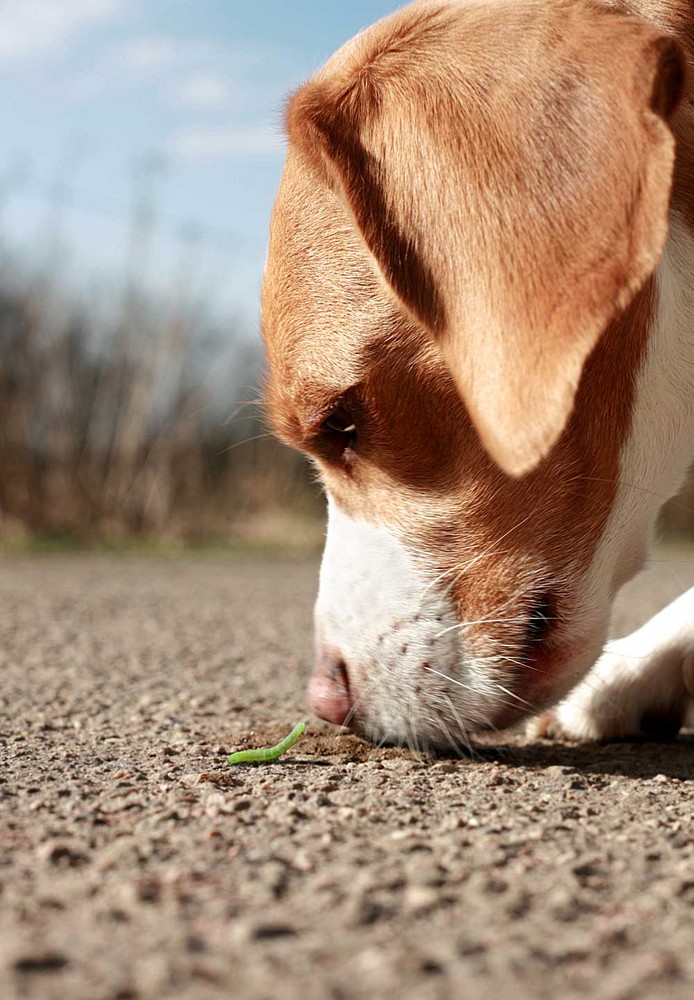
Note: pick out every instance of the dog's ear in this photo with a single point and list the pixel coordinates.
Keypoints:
(514, 205)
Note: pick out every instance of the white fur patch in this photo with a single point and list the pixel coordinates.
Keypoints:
(660, 446)
(644, 669)
(397, 633)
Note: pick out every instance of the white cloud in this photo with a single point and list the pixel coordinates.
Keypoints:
(158, 54)
(147, 55)
(31, 28)
(202, 143)
(197, 74)
(202, 92)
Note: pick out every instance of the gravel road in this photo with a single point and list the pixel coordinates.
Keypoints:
(134, 865)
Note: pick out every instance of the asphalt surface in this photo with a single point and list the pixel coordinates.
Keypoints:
(135, 865)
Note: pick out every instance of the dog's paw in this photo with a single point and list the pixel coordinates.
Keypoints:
(628, 693)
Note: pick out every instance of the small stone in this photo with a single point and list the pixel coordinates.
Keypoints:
(496, 885)
(273, 929)
(63, 854)
(420, 898)
(46, 960)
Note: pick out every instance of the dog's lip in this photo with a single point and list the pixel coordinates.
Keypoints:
(542, 682)
(533, 689)
(543, 620)
(505, 718)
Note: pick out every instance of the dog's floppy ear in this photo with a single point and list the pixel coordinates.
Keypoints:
(513, 204)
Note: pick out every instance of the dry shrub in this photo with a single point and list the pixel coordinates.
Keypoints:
(119, 427)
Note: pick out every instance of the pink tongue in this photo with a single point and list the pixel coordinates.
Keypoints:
(328, 699)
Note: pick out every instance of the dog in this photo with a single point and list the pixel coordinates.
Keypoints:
(478, 311)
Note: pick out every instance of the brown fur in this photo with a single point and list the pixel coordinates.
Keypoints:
(511, 221)
(446, 267)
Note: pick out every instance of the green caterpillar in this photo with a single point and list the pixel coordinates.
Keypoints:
(264, 754)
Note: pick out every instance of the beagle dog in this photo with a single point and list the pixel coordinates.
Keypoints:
(478, 310)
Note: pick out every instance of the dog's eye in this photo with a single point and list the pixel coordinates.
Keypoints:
(341, 422)
(340, 430)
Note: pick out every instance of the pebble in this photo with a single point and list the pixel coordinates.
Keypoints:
(419, 898)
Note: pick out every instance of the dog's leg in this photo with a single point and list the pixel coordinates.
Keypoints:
(640, 686)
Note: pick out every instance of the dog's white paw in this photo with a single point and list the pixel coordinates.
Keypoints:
(630, 692)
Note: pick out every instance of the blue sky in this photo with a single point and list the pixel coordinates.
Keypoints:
(101, 97)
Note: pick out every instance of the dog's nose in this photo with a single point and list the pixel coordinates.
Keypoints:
(328, 690)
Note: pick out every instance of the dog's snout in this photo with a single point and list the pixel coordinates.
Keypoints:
(329, 690)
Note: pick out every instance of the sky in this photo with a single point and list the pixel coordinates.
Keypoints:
(175, 105)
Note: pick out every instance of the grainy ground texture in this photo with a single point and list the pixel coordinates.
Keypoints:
(135, 865)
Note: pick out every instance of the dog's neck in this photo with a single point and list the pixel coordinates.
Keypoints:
(666, 434)
(660, 448)
(683, 187)
(668, 376)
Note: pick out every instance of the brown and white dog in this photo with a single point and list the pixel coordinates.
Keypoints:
(479, 315)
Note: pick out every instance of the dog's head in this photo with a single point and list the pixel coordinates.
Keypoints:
(456, 306)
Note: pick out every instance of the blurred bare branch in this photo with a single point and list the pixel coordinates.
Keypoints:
(110, 428)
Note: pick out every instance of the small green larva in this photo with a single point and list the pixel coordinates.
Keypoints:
(265, 754)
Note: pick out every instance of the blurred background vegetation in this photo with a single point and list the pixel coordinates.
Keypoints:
(134, 416)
